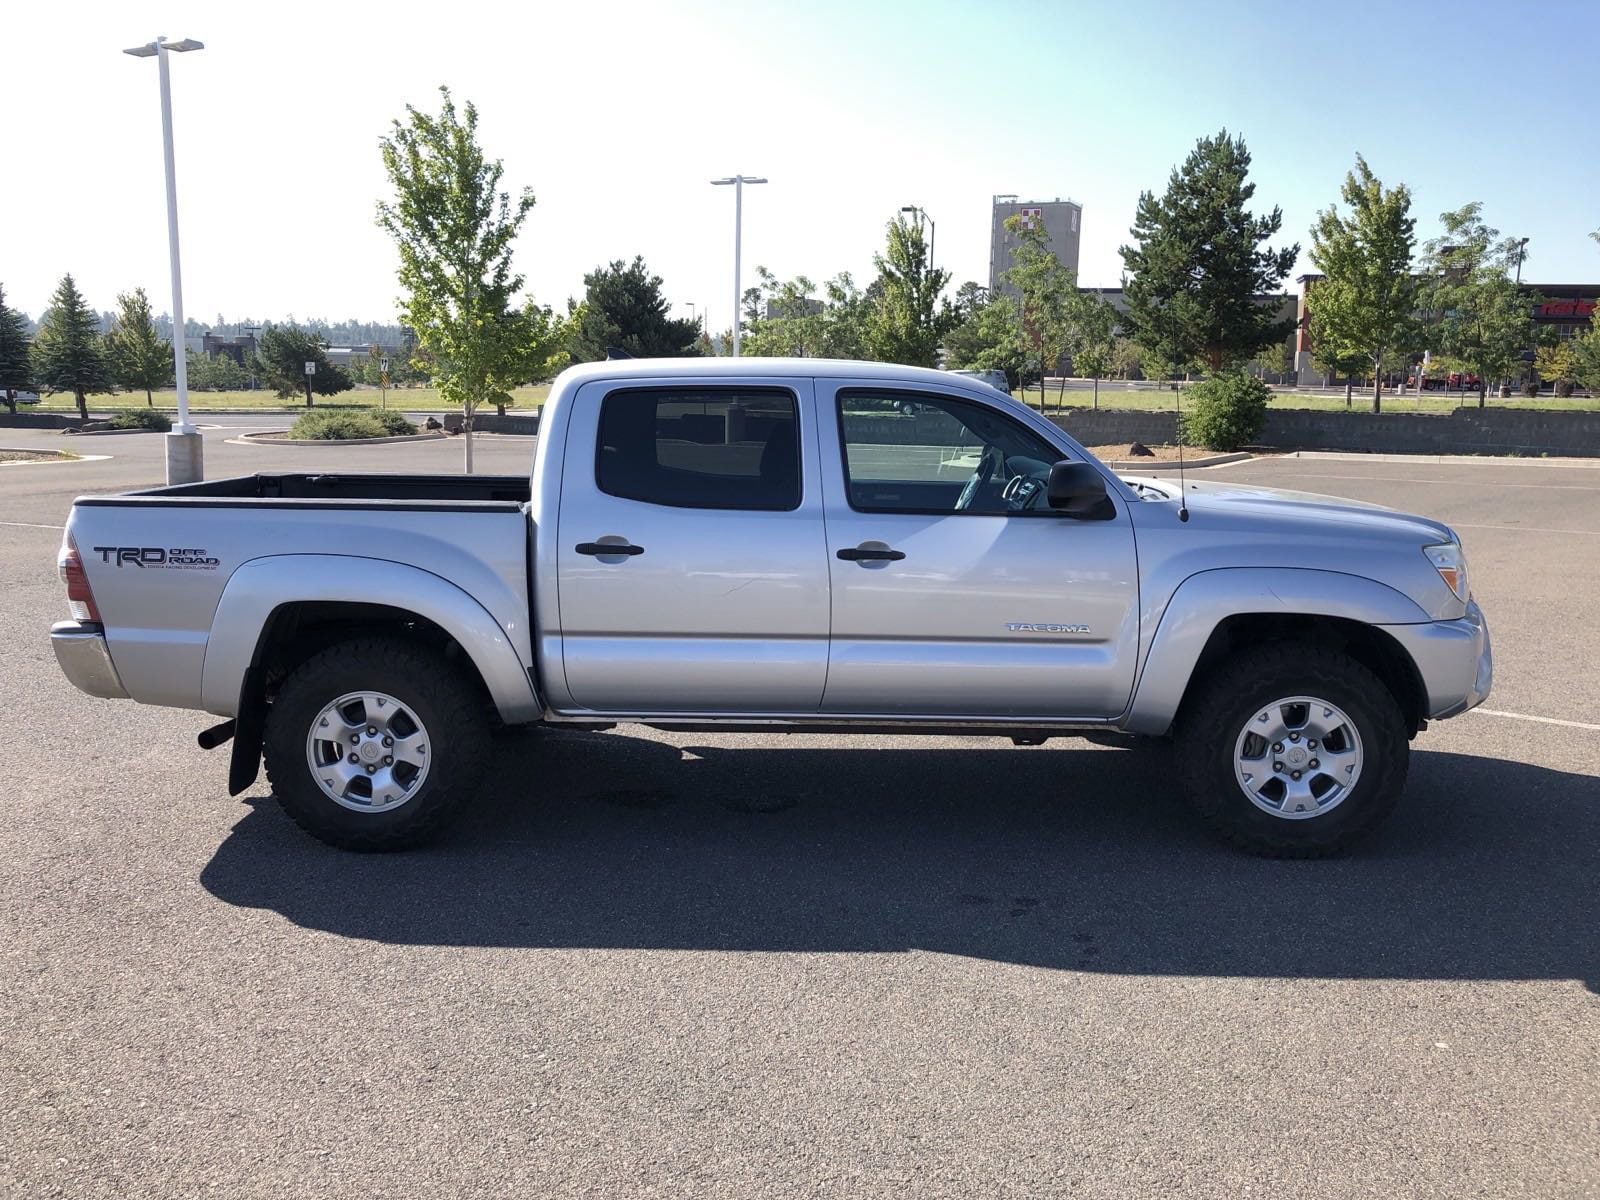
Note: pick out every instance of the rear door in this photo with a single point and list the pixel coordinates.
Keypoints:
(692, 562)
(956, 591)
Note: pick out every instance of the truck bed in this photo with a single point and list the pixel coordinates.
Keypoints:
(324, 489)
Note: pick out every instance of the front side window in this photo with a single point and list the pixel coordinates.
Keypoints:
(927, 453)
(701, 448)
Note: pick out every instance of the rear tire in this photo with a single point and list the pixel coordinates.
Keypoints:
(1292, 750)
(374, 743)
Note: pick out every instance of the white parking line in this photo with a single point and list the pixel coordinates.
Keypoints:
(1543, 487)
(30, 525)
(1494, 712)
(1529, 529)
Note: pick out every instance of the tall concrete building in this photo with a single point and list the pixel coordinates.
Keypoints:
(1061, 220)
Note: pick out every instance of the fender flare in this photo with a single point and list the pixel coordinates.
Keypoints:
(1204, 600)
(261, 586)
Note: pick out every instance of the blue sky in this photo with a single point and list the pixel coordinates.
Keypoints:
(617, 115)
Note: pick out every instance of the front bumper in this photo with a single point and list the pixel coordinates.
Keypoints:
(1454, 658)
(85, 659)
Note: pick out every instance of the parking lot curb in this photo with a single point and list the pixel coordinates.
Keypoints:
(1446, 460)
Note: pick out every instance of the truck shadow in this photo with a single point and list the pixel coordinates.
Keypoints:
(1071, 860)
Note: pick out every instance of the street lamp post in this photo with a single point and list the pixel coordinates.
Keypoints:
(738, 182)
(922, 215)
(185, 460)
(1522, 250)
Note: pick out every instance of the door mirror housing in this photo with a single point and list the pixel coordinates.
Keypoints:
(1078, 490)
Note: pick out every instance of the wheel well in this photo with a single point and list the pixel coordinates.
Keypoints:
(1368, 645)
(294, 632)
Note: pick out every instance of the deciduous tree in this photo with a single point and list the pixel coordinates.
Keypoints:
(1480, 320)
(69, 355)
(454, 229)
(1367, 298)
(1199, 260)
(141, 359)
(903, 325)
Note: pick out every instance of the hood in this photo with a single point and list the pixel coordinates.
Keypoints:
(1266, 505)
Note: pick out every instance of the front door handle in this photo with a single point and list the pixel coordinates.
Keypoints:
(596, 548)
(865, 554)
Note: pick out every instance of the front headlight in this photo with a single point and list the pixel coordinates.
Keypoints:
(1451, 562)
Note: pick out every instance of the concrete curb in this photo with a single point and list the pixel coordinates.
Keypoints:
(1447, 460)
(277, 438)
(104, 432)
(42, 462)
(1171, 464)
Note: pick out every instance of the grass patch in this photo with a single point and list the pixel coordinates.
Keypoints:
(1116, 394)
(16, 456)
(343, 426)
(361, 399)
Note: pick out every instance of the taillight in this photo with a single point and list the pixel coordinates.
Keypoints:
(80, 597)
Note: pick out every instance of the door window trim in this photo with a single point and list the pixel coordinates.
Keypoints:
(730, 390)
(911, 394)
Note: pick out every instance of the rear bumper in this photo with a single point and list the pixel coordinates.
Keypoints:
(85, 659)
(1454, 658)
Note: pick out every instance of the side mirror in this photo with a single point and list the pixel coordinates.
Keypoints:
(1077, 490)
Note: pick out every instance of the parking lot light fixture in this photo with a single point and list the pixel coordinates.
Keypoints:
(738, 182)
(184, 448)
(922, 215)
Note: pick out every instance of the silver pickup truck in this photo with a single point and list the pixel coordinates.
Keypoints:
(779, 545)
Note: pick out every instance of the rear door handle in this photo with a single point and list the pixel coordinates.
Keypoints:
(595, 548)
(859, 554)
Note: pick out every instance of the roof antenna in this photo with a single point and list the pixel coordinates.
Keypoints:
(1183, 503)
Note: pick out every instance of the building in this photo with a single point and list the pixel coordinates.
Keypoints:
(1061, 220)
(806, 306)
(241, 349)
(1563, 308)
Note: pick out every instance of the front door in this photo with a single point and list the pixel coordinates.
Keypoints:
(956, 590)
(692, 566)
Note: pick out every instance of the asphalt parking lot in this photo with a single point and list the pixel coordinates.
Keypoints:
(745, 966)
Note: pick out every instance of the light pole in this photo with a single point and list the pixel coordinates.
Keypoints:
(738, 182)
(185, 460)
(922, 215)
(1522, 249)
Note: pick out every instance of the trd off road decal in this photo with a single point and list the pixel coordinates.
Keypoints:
(179, 557)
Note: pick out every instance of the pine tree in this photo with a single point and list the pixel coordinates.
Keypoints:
(16, 371)
(140, 357)
(623, 306)
(68, 354)
(1199, 262)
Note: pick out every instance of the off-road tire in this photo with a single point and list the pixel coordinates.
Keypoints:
(445, 699)
(1214, 715)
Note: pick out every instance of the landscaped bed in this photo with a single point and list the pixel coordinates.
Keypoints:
(29, 456)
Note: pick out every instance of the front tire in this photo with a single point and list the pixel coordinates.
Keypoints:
(374, 743)
(1293, 750)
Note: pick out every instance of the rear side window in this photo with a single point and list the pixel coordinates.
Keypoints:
(701, 448)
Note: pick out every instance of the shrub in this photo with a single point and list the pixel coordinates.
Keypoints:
(142, 418)
(1226, 411)
(394, 424)
(340, 426)
(1530, 388)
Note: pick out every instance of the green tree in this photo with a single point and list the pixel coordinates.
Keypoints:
(16, 368)
(1199, 262)
(455, 229)
(1559, 364)
(903, 325)
(69, 354)
(282, 353)
(990, 339)
(1337, 359)
(792, 323)
(1126, 358)
(1048, 291)
(1481, 320)
(141, 359)
(623, 307)
(219, 374)
(1094, 324)
(1366, 301)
